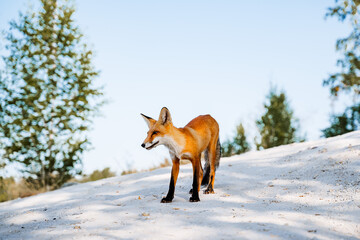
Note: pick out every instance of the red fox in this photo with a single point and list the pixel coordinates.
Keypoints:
(200, 135)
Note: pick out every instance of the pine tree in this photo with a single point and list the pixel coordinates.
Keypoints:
(240, 143)
(344, 123)
(348, 80)
(237, 145)
(278, 125)
(227, 148)
(47, 94)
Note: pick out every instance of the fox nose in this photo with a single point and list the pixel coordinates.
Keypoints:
(143, 145)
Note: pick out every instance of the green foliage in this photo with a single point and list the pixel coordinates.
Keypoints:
(344, 123)
(237, 145)
(47, 97)
(2, 161)
(348, 79)
(278, 125)
(97, 175)
(227, 148)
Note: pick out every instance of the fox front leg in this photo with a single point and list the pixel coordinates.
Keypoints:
(174, 174)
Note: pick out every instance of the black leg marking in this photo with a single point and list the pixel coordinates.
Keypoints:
(170, 196)
(195, 193)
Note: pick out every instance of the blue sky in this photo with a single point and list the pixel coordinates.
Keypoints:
(199, 57)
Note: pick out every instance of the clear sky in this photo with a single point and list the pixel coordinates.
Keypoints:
(201, 57)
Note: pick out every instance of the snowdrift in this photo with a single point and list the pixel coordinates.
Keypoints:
(300, 191)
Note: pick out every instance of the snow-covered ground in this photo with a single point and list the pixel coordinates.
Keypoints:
(300, 191)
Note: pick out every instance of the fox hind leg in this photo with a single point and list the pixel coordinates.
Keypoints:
(214, 159)
(210, 186)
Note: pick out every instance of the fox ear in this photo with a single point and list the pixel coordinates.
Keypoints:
(165, 116)
(149, 121)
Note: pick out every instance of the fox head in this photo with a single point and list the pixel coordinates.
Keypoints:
(157, 129)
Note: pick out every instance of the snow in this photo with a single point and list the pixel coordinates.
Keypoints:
(300, 191)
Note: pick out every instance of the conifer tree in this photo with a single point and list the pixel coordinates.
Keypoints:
(278, 125)
(348, 79)
(227, 148)
(47, 94)
(343, 123)
(237, 145)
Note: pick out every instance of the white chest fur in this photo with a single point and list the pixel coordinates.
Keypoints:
(174, 148)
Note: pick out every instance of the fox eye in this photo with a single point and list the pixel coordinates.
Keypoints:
(154, 132)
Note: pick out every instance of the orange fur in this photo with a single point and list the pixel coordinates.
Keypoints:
(200, 134)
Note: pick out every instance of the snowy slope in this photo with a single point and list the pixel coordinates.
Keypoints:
(300, 191)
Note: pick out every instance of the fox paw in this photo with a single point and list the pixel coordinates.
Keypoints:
(190, 192)
(166, 200)
(208, 191)
(194, 199)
